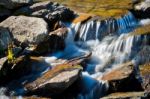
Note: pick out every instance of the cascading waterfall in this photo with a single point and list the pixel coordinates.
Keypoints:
(110, 44)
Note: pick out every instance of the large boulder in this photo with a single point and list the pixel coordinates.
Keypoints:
(55, 80)
(49, 10)
(122, 79)
(30, 30)
(11, 4)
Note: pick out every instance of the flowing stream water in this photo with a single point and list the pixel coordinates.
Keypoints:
(110, 43)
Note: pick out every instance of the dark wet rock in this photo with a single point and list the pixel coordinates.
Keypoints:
(48, 10)
(11, 71)
(54, 42)
(4, 13)
(126, 95)
(145, 74)
(5, 39)
(11, 4)
(122, 79)
(22, 66)
(55, 80)
(30, 30)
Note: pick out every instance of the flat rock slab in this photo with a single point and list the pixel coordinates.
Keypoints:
(122, 79)
(55, 81)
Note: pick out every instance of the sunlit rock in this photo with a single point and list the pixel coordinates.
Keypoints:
(103, 8)
(122, 79)
(55, 80)
(30, 30)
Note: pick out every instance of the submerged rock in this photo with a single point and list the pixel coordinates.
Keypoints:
(122, 79)
(30, 30)
(55, 81)
(48, 10)
(11, 4)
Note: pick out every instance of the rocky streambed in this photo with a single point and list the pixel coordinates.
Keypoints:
(49, 51)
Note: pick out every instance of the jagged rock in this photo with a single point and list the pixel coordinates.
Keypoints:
(30, 30)
(54, 42)
(55, 80)
(122, 79)
(11, 4)
(126, 95)
(5, 39)
(49, 10)
(145, 74)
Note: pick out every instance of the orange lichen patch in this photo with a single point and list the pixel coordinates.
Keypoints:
(141, 30)
(103, 8)
(123, 71)
(82, 18)
(106, 13)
